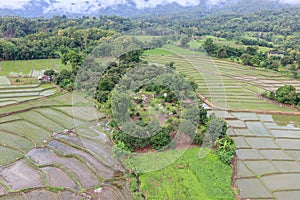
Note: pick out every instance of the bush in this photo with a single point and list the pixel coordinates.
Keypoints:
(269, 95)
(217, 127)
(199, 138)
(187, 127)
(50, 73)
(120, 150)
(226, 157)
(131, 142)
(286, 94)
(113, 124)
(139, 101)
(161, 140)
(169, 121)
(226, 149)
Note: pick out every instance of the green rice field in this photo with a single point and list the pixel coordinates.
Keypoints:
(226, 84)
(30, 67)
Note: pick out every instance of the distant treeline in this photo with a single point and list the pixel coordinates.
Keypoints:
(25, 38)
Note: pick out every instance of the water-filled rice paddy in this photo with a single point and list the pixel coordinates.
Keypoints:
(51, 151)
(268, 155)
(13, 94)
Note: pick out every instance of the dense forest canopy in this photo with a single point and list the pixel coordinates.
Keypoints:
(277, 31)
(26, 38)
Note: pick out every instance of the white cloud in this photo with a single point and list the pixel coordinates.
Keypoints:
(214, 2)
(79, 6)
(13, 4)
(291, 1)
(154, 3)
(84, 6)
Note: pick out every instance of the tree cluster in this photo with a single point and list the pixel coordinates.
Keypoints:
(288, 60)
(286, 94)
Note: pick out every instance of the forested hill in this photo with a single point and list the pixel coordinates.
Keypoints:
(32, 38)
(283, 21)
(206, 10)
(36, 38)
(278, 26)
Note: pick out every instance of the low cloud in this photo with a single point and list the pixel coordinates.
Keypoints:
(13, 4)
(79, 6)
(291, 1)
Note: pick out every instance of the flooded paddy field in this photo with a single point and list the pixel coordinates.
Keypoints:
(268, 155)
(54, 148)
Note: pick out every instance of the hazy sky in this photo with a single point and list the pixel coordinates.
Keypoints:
(93, 5)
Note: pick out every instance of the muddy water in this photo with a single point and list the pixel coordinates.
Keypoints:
(268, 155)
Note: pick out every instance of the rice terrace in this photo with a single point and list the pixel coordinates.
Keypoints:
(150, 100)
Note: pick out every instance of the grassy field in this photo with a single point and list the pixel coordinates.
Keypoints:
(226, 84)
(223, 41)
(146, 38)
(30, 67)
(189, 177)
(158, 51)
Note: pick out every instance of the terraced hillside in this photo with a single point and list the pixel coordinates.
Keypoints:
(13, 94)
(54, 148)
(225, 84)
(267, 163)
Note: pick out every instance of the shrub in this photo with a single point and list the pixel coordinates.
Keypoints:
(217, 127)
(113, 124)
(188, 128)
(269, 95)
(50, 73)
(226, 149)
(169, 121)
(226, 157)
(120, 150)
(199, 138)
(131, 142)
(139, 101)
(286, 94)
(161, 140)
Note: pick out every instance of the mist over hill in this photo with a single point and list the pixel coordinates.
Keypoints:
(136, 8)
